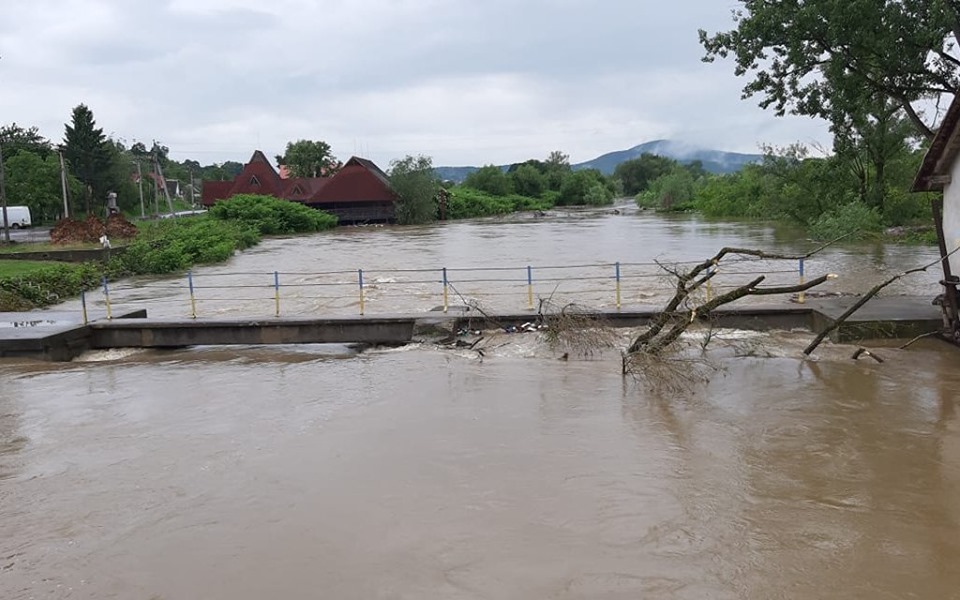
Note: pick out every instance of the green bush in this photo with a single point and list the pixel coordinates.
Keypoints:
(174, 245)
(901, 207)
(272, 216)
(597, 195)
(854, 218)
(49, 285)
(468, 203)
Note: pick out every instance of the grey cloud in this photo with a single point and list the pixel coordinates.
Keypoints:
(491, 81)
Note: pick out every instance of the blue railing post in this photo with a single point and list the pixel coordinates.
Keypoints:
(106, 295)
(360, 278)
(276, 293)
(529, 287)
(802, 297)
(193, 299)
(446, 297)
(618, 284)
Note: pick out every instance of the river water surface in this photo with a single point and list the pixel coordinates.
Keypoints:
(314, 471)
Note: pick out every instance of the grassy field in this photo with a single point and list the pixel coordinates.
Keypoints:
(43, 247)
(13, 268)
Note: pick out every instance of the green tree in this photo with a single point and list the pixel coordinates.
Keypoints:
(305, 158)
(869, 143)
(577, 185)
(831, 58)
(413, 180)
(556, 169)
(528, 181)
(637, 173)
(35, 182)
(85, 146)
(490, 179)
(15, 139)
(672, 191)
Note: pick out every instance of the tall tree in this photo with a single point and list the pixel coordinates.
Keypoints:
(490, 179)
(85, 146)
(637, 173)
(830, 58)
(413, 180)
(305, 158)
(15, 139)
(35, 182)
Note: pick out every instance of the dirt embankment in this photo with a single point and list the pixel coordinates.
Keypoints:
(72, 231)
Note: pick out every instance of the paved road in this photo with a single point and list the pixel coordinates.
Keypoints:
(30, 234)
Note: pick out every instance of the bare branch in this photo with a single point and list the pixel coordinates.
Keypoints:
(866, 298)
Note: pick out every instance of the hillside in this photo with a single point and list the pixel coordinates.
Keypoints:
(714, 161)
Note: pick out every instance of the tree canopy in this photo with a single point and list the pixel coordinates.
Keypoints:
(35, 182)
(305, 158)
(413, 180)
(85, 147)
(15, 139)
(835, 59)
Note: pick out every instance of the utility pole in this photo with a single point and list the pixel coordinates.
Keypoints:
(3, 202)
(63, 183)
(163, 181)
(143, 211)
(193, 203)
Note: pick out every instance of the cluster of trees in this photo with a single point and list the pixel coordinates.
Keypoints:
(877, 72)
(551, 180)
(828, 195)
(94, 165)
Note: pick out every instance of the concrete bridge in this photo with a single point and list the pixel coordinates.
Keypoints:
(62, 337)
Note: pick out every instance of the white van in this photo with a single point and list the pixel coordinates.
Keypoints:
(17, 217)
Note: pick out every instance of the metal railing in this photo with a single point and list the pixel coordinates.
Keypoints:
(414, 289)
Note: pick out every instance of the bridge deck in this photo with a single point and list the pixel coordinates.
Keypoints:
(61, 337)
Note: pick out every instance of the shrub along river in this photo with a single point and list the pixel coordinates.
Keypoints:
(314, 471)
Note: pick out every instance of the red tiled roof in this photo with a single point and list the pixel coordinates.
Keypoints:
(359, 181)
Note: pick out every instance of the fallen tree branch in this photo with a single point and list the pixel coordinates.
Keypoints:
(864, 352)
(866, 298)
(918, 338)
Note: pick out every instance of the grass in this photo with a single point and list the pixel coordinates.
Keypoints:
(44, 247)
(16, 268)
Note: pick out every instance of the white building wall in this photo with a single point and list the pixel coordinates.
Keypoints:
(951, 215)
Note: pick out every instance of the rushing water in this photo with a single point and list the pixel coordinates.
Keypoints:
(571, 256)
(314, 471)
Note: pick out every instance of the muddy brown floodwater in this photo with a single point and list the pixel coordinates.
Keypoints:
(318, 472)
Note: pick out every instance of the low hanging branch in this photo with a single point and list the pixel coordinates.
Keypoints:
(866, 298)
(688, 282)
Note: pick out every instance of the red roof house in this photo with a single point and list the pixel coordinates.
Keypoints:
(359, 192)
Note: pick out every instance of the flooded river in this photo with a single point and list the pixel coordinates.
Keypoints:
(315, 471)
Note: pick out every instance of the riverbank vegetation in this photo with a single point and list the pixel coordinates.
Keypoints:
(829, 195)
(873, 72)
(160, 247)
(533, 185)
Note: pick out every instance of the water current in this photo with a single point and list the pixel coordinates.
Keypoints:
(321, 472)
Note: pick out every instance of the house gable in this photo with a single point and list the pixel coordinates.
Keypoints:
(938, 162)
(358, 181)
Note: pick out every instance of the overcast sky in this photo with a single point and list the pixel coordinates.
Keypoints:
(463, 81)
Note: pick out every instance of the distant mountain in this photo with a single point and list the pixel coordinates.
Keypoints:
(714, 161)
(455, 174)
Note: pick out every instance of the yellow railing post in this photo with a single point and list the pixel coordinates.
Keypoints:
(529, 287)
(446, 296)
(193, 299)
(618, 284)
(106, 295)
(276, 293)
(360, 278)
(802, 297)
